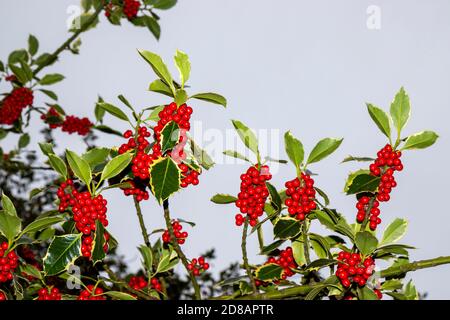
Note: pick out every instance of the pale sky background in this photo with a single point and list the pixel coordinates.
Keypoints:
(308, 66)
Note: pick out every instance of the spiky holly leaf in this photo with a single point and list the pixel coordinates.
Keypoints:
(269, 272)
(61, 253)
(165, 178)
(98, 253)
(170, 135)
(286, 228)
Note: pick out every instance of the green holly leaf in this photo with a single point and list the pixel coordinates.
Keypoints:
(159, 67)
(79, 166)
(170, 135)
(96, 156)
(361, 181)
(58, 164)
(221, 198)
(8, 205)
(381, 119)
(161, 87)
(286, 228)
(400, 110)
(113, 110)
(324, 148)
(184, 66)
(394, 231)
(51, 79)
(41, 224)
(211, 97)
(61, 253)
(10, 225)
(269, 272)
(247, 136)
(33, 45)
(98, 253)
(294, 149)
(116, 166)
(366, 242)
(420, 140)
(164, 178)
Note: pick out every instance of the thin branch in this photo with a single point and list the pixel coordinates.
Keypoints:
(413, 266)
(178, 250)
(141, 223)
(245, 257)
(52, 57)
(306, 245)
(298, 291)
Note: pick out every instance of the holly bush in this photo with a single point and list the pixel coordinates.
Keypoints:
(55, 242)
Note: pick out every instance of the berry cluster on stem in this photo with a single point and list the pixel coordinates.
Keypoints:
(253, 194)
(177, 231)
(139, 283)
(354, 268)
(91, 293)
(69, 124)
(9, 261)
(198, 266)
(49, 294)
(387, 162)
(11, 107)
(87, 209)
(300, 198)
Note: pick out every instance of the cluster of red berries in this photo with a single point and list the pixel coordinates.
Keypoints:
(131, 8)
(108, 9)
(286, 261)
(86, 211)
(86, 246)
(53, 118)
(139, 192)
(352, 269)
(49, 294)
(3, 296)
(177, 230)
(253, 194)
(14, 103)
(198, 266)
(8, 263)
(300, 196)
(139, 283)
(91, 293)
(387, 162)
(141, 160)
(71, 124)
(363, 206)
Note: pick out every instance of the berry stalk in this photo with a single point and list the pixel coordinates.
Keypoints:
(178, 250)
(245, 257)
(141, 222)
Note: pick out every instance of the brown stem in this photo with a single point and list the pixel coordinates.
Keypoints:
(178, 250)
(52, 57)
(245, 257)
